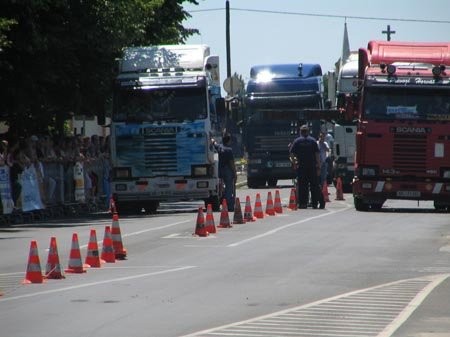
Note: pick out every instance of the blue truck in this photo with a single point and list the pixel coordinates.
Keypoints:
(276, 98)
(166, 109)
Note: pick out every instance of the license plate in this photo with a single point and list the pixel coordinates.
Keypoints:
(408, 194)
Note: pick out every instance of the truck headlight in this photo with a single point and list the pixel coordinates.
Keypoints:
(446, 173)
(122, 172)
(199, 171)
(368, 171)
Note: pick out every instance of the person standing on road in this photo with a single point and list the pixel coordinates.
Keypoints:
(324, 152)
(227, 169)
(305, 151)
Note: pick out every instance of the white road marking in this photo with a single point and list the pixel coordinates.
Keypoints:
(273, 231)
(319, 320)
(93, 284)
(144, 231)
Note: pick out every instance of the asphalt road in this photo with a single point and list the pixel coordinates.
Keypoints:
(333, 272)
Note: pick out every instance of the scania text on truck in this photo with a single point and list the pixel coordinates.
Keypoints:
(165, 110)
(275, 96)
(403, 136)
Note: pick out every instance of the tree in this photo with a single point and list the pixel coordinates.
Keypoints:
(61, 54)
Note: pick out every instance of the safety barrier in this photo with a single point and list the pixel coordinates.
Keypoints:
(53, 189)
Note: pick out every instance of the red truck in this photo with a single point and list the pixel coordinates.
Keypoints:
(403, 135)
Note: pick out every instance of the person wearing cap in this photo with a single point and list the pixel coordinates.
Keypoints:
(305, 151)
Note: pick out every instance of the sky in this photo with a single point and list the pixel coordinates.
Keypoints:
(309, 31)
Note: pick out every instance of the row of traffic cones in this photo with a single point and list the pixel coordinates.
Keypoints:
(206, 226)
(112, 249)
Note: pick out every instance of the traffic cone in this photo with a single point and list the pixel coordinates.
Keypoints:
(210, 225)
(269, 204)
(34, 273)
(119, 250)
(53, 269)
(200, 228)
(277, 207)
(75, 263)
(339, 191)
(108, 249)
(238, 217)
(248, 213)
(93, 256)
(258, 213)
(224, 217)
(293, 200)
(325, 193)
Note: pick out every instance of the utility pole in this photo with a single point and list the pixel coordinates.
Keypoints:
(227, 29)
(388, 32)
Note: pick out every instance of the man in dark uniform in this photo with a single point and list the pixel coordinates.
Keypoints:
(305, 151)
(227, 169)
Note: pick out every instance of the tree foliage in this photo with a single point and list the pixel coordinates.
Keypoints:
(58, 57)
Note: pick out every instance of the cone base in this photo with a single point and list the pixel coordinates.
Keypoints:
(27, 281)
(75, 271)
(121, 254)
(55, 277)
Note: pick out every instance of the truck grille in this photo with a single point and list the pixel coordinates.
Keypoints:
(161, 154)
(273, 143)
(410, 153)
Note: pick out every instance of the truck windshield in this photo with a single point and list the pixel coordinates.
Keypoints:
(282, 111)
(407, 103)
(154, 105)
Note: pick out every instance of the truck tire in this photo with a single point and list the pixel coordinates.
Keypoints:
(151, 206)
(252, 183)
(215, 203)
(272, 182)
(360, 205)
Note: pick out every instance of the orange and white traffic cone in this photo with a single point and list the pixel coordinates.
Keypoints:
(75, 263)
(210, 225)
(270, 210)
(200, 228)
(339, 190)
(237, 216)
(325, 193)
(248, 213)
(34, 273)
(277, 206)
(224, 216)
(108, 249)
(53, 269)
(293, 200)
(258, 213)
(119, 250)
(93, 256)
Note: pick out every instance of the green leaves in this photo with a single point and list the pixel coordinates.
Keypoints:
(57, 57)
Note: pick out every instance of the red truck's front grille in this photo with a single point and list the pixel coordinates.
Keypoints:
(410, 153)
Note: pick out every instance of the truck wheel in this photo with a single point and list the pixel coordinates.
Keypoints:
(441, 207)
(360, 205)
(215, 203)
(272, 182)
(151, 207)
(252, 183)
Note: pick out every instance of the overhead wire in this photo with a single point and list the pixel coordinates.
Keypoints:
(373, 18)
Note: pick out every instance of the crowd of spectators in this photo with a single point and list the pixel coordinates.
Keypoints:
(54, 159)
